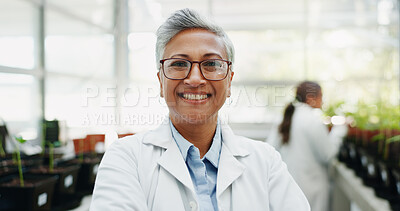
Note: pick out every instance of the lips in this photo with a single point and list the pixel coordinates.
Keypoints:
(194, 96)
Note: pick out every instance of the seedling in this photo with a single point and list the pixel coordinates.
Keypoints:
(388, 141)
(379, 138)
(21, 177)
(51, 154)
(2, 152)
(51, 157)
(44, 138)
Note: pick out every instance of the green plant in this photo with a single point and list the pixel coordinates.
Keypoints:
(44, 138)
(387, 119)
(365, 116)
(2, 152)
(333, 109)
(388, 116)
(387, 142)
(393, 139)
(21, 176)
(51, 154)
(51, 157)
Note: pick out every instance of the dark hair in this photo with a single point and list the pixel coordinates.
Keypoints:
(304, 90)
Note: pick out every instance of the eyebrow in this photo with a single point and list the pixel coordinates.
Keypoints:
(205, 55)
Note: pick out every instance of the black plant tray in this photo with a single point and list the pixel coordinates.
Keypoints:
(29, 198)
(66, 184)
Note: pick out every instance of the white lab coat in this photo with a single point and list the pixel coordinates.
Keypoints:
(147, 172)
(308, 154)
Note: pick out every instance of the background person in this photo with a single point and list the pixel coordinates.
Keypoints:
(194, 161)
(306, 145)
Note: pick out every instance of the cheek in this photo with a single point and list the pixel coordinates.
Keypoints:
(222, 90)
(169, 88)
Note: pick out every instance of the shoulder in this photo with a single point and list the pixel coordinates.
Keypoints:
(255, 145)
(128, 142)
(254, 151)
(134, 146)
(307, 117)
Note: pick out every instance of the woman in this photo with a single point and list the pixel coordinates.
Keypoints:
(306, 146)
(193, 161)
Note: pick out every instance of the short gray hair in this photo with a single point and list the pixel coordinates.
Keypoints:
(188, 19)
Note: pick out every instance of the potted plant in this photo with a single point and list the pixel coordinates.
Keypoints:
(384, 149)
(36, 191)
(337, 109)
(355, 140)
(64, 196)
(2, 146)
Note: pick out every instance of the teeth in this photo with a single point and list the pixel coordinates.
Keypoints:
(195, 96)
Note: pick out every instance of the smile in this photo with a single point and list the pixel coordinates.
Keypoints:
(191, 96)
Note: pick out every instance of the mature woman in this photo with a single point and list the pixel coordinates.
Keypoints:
(305, 145)
(193, 161)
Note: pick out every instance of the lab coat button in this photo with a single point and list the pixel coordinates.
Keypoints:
(193, 205)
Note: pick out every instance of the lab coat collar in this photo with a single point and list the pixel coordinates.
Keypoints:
(162, 137)
(172, 161)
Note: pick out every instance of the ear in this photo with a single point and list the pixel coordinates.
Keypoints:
(229, 84)
(161, 85)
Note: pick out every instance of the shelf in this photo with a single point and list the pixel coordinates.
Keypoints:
(350, 188)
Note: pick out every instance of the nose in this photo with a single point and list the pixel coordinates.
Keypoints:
(195, 78)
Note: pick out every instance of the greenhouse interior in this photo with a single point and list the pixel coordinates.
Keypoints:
(77, 77)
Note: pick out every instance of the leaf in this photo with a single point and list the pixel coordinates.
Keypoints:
(393, 139)
(20, 140)
(378, 137)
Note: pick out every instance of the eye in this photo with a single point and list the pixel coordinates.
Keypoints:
(212, 63)
(179, 64)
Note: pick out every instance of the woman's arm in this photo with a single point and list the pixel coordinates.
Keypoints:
(285, 194)
(117, 184)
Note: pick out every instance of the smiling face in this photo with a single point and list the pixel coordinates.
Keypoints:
(194, 100)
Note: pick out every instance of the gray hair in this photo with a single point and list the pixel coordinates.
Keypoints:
(188, 19)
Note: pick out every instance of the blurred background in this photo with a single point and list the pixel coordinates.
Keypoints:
(90, 64)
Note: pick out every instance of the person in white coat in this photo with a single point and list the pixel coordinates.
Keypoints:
(306, 145)
(194, 161)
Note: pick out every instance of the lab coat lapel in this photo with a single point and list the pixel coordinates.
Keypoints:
(171, 159)
(229, 168)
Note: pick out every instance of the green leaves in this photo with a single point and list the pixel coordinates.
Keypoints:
(334, 109)
(368, 116)
(21, 176)
(393, 139)
(378, 137)
(20, 140)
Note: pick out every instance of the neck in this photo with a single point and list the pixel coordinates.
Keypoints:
(199, 134)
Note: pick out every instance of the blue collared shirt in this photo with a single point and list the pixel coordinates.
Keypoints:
(202, 171)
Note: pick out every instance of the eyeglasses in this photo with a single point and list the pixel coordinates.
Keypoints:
(211, 69)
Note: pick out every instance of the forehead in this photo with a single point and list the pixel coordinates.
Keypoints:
(195, 43)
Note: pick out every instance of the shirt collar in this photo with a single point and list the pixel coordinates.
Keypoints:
(212, 154)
